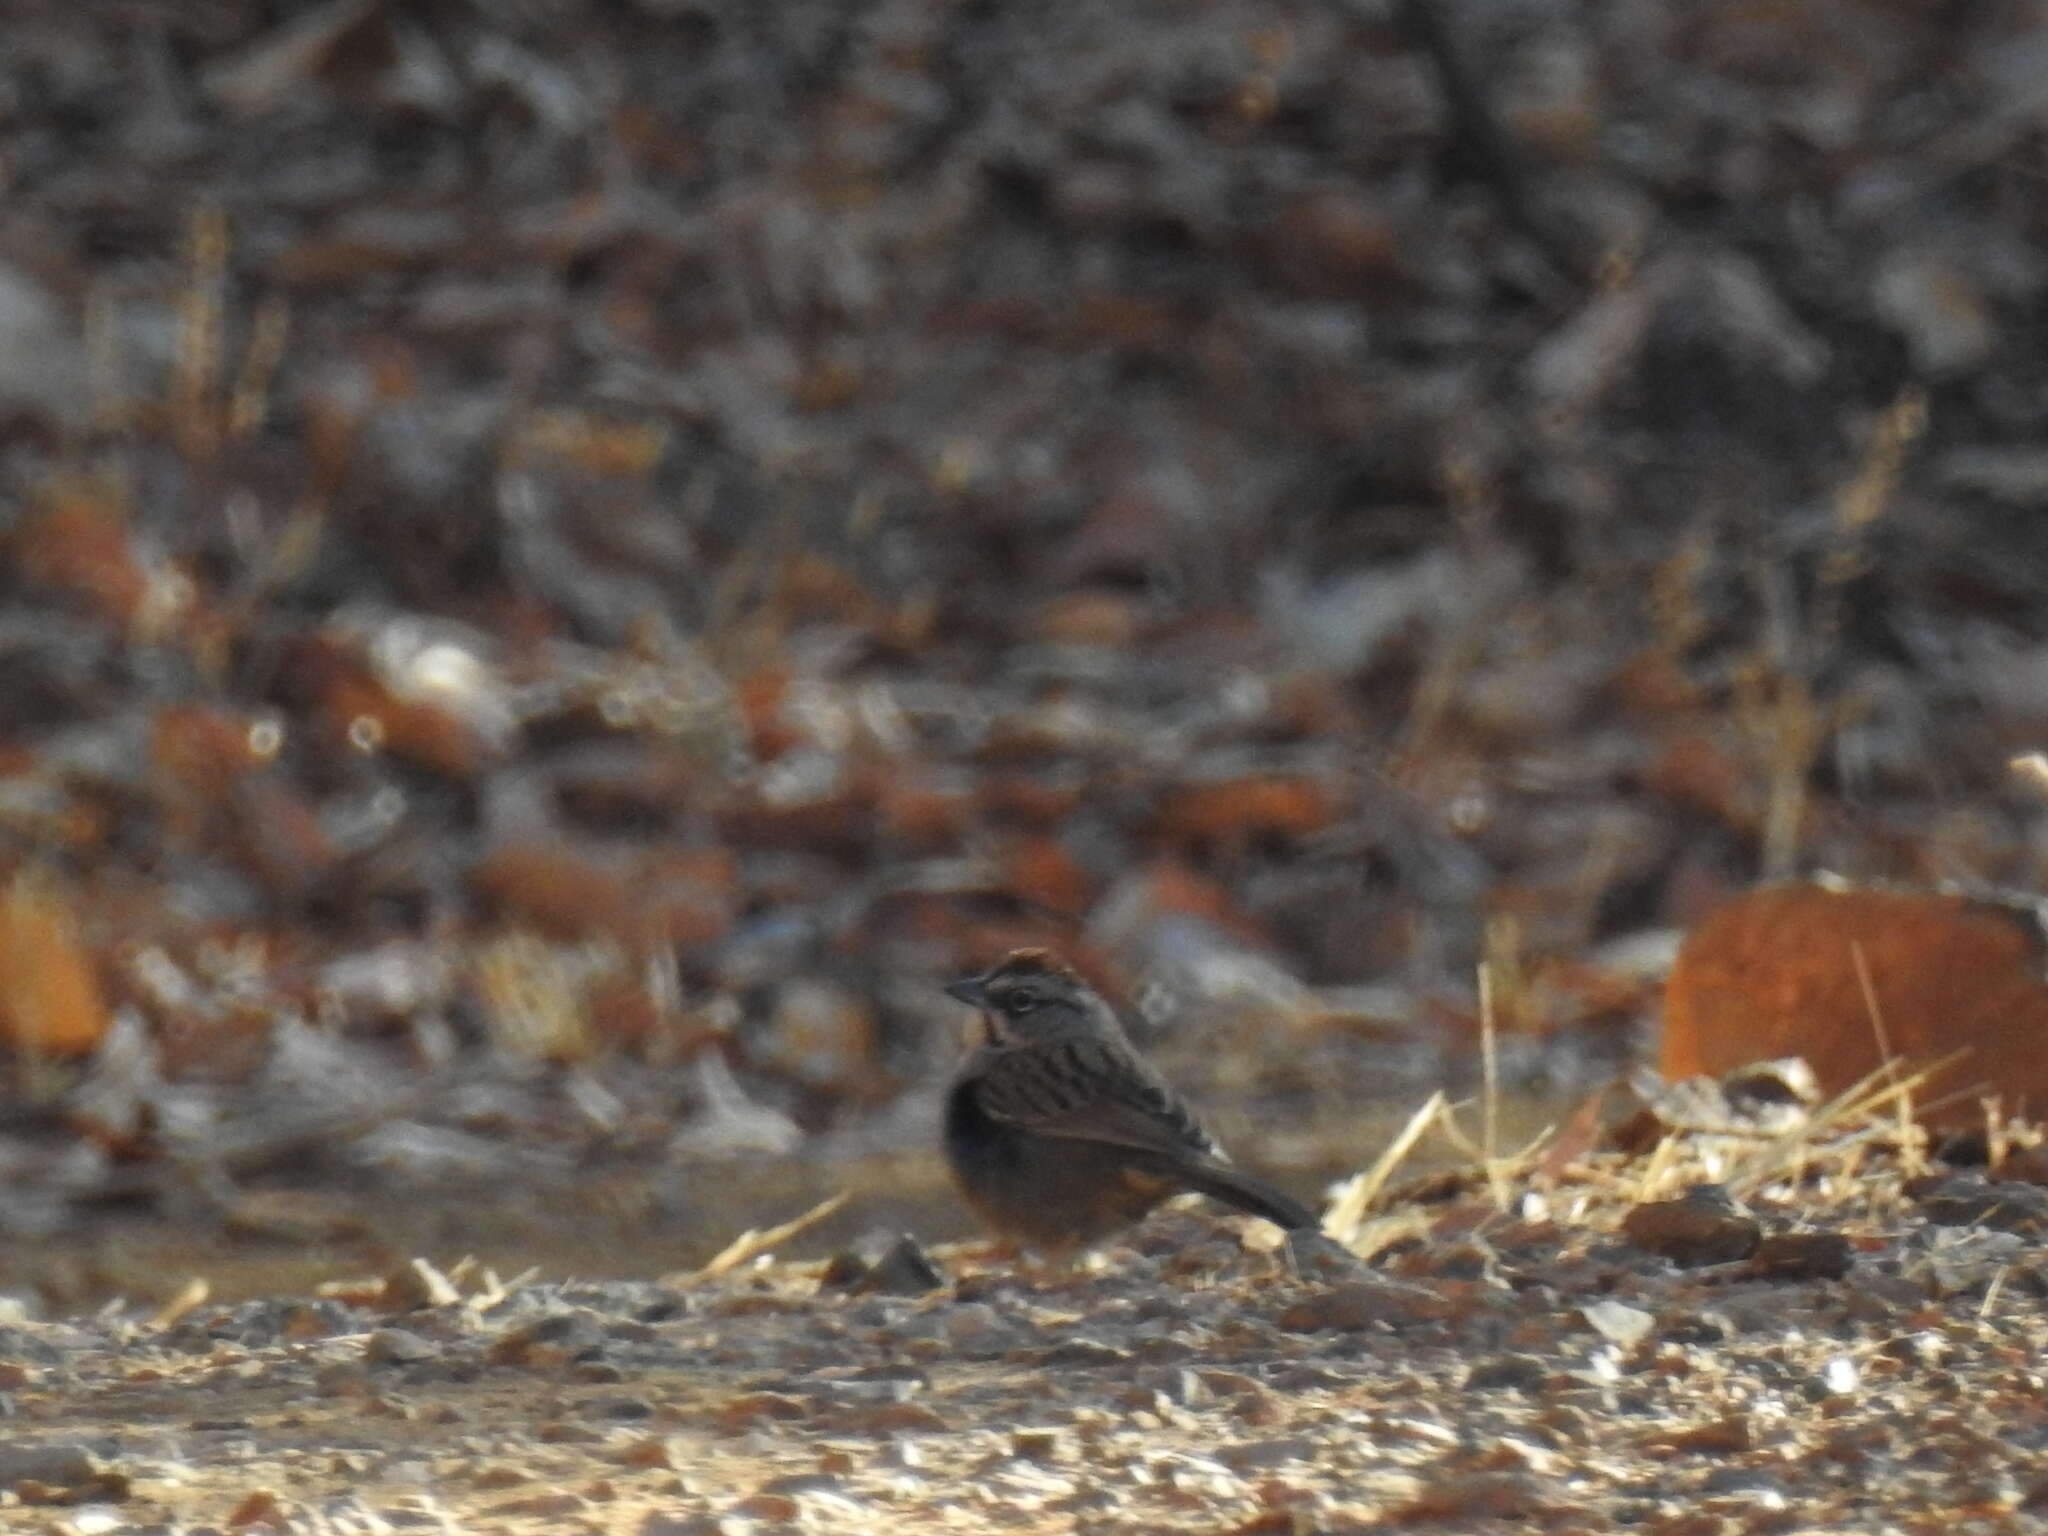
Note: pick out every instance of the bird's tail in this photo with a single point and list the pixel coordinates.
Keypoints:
(1219, 1181)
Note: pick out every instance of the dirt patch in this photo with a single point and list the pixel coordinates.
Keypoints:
(1511, 1370)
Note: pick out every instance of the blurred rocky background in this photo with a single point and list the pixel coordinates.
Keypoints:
(566, 562)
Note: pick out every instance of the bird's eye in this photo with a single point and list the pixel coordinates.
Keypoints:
(1019, 1001)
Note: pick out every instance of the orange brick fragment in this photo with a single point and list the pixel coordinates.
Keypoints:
(1041, 870)
(759, 696)
(361, 710)
(50, 1001)
(1233, 809)
(555, 889)
(1774, 973)
(77, 541)
(927, 816)
(679, 896)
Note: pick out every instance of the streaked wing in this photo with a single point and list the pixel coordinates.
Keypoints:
(1089, 1091)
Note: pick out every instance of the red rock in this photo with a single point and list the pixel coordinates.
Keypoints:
(1802, 1256)
(1361, 1304)
(1691, 1231)
(52, 1003)
(928, 817)
(76, 540)
(759, 696)
(1729, 1435)
(1032, 801)
(277, 836)
(1233, 810)
(674, 896)
(1774, 973)
(1042, 871)
(557, 890)
(357, 711)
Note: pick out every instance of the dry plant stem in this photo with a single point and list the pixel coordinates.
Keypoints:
(1798, 729)
(194, 1295)
(1345, 1222)
(754, 1242)
(1795, 738)
(1662, 1160)
(1786, 1155)
(1454, 1133)
(249, 403)
(439, 1289)
(1991, 1291)
(1347, 1212)
(1997, 1135)
(201, 308)
(1489, 1107)
(1882, 1036)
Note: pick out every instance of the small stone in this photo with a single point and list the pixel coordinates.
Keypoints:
(1619, 1323)
(1037, 1445)
(1522, 1373)
(898, 1418)
(1251, 1454)
(1701, 1227)
(1802, 1256)
(1965, 1200)
(396, 1346)
(752, 1408)
(904, 1269)
(58, 1466)
(544, 1506)
(1360, 1304)
(883, 1263)
(659, 1524)
(1469, 1496)
(621, 1408)
(1082, 1353)
(1725, 1436)
(803, 1482)
(260, 1507)
(775, 1508)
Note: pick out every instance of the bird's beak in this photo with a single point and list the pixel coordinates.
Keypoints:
(979, 1030)
(969, 990)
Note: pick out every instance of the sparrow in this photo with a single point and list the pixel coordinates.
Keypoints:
(1059, 1133)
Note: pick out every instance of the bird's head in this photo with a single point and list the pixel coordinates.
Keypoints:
(1030, 996)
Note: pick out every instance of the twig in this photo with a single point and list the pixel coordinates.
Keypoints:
(754, 1242)
(1907, 1134)
(1347, 1211)
(1489, 1102)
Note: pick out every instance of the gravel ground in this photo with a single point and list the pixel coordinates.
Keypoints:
(1529, 1369)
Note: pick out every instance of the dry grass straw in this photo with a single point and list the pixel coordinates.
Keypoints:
(1830, 1152)
(1785, 716)
(1489, 1067)
(1908, 1128)
(755, 1241)
(1347, 1221)
(1346, 1216)
(1877, 1107)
